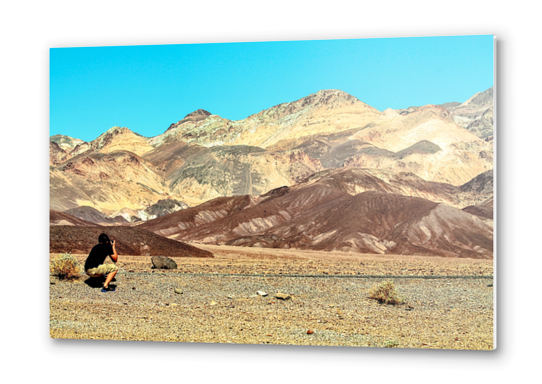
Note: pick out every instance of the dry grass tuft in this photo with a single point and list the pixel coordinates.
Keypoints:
(385, 292)
(65, 266)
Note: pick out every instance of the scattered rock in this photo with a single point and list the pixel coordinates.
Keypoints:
(214, 303)
(283, 296)
(178, 291)
(163, 262)
(173, 305)
(262, 293)
(310, 332)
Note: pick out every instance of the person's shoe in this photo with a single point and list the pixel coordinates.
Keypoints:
(108, 289)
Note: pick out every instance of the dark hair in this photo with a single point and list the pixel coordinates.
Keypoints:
(103, 238)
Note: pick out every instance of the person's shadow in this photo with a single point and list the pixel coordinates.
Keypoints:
(97, 282)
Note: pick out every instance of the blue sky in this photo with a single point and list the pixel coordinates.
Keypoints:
(146, 88)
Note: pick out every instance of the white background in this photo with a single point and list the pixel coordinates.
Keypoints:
(30, 28)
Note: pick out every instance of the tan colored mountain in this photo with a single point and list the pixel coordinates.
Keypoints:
(424, 141)
(204, 156)
(200, 174)
(327, 111)
(121, 139)
(107, 182)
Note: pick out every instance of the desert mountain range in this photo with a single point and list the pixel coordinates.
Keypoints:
(324, 172)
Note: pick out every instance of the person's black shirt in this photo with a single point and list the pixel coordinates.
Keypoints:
(98, 254)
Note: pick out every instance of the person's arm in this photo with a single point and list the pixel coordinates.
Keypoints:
(115, 255)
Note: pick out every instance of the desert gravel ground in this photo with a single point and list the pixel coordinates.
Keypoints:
(219, 302)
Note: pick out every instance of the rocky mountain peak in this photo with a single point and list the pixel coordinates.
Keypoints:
(327, 97)
(481, 99)
(67, 143)
(200, 114)
(193, 117)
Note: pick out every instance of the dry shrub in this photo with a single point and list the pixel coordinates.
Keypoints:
(65, 266)
(385, 292)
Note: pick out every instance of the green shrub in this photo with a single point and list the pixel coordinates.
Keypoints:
(385, 292)
(65, 266)
(391, 344)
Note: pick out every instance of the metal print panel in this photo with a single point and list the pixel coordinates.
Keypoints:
(334, 193)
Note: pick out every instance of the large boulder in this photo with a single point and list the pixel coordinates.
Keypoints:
(162, 262)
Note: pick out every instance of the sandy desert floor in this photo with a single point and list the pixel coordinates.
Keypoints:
(449, 302)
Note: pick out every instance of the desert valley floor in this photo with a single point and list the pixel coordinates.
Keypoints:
(448, 301)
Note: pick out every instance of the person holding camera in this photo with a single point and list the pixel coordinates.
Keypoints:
(94, 265)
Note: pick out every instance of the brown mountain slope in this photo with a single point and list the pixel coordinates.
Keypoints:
(171, 225)
(484, 209)
(479, 189)
(374, 222)
(357, 180)
(61, 218)
(57, 155)
(223, 219)
(283, 204)
(129, 241)
(317, 216)
(94, 216)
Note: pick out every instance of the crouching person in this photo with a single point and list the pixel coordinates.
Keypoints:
(95, 267)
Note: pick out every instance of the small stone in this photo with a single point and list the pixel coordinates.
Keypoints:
(162, 262)
(214, 303)
(283, 296)
(173, 305)
(53, 282)
(178, 291)
(262, 293)
(310, 332)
